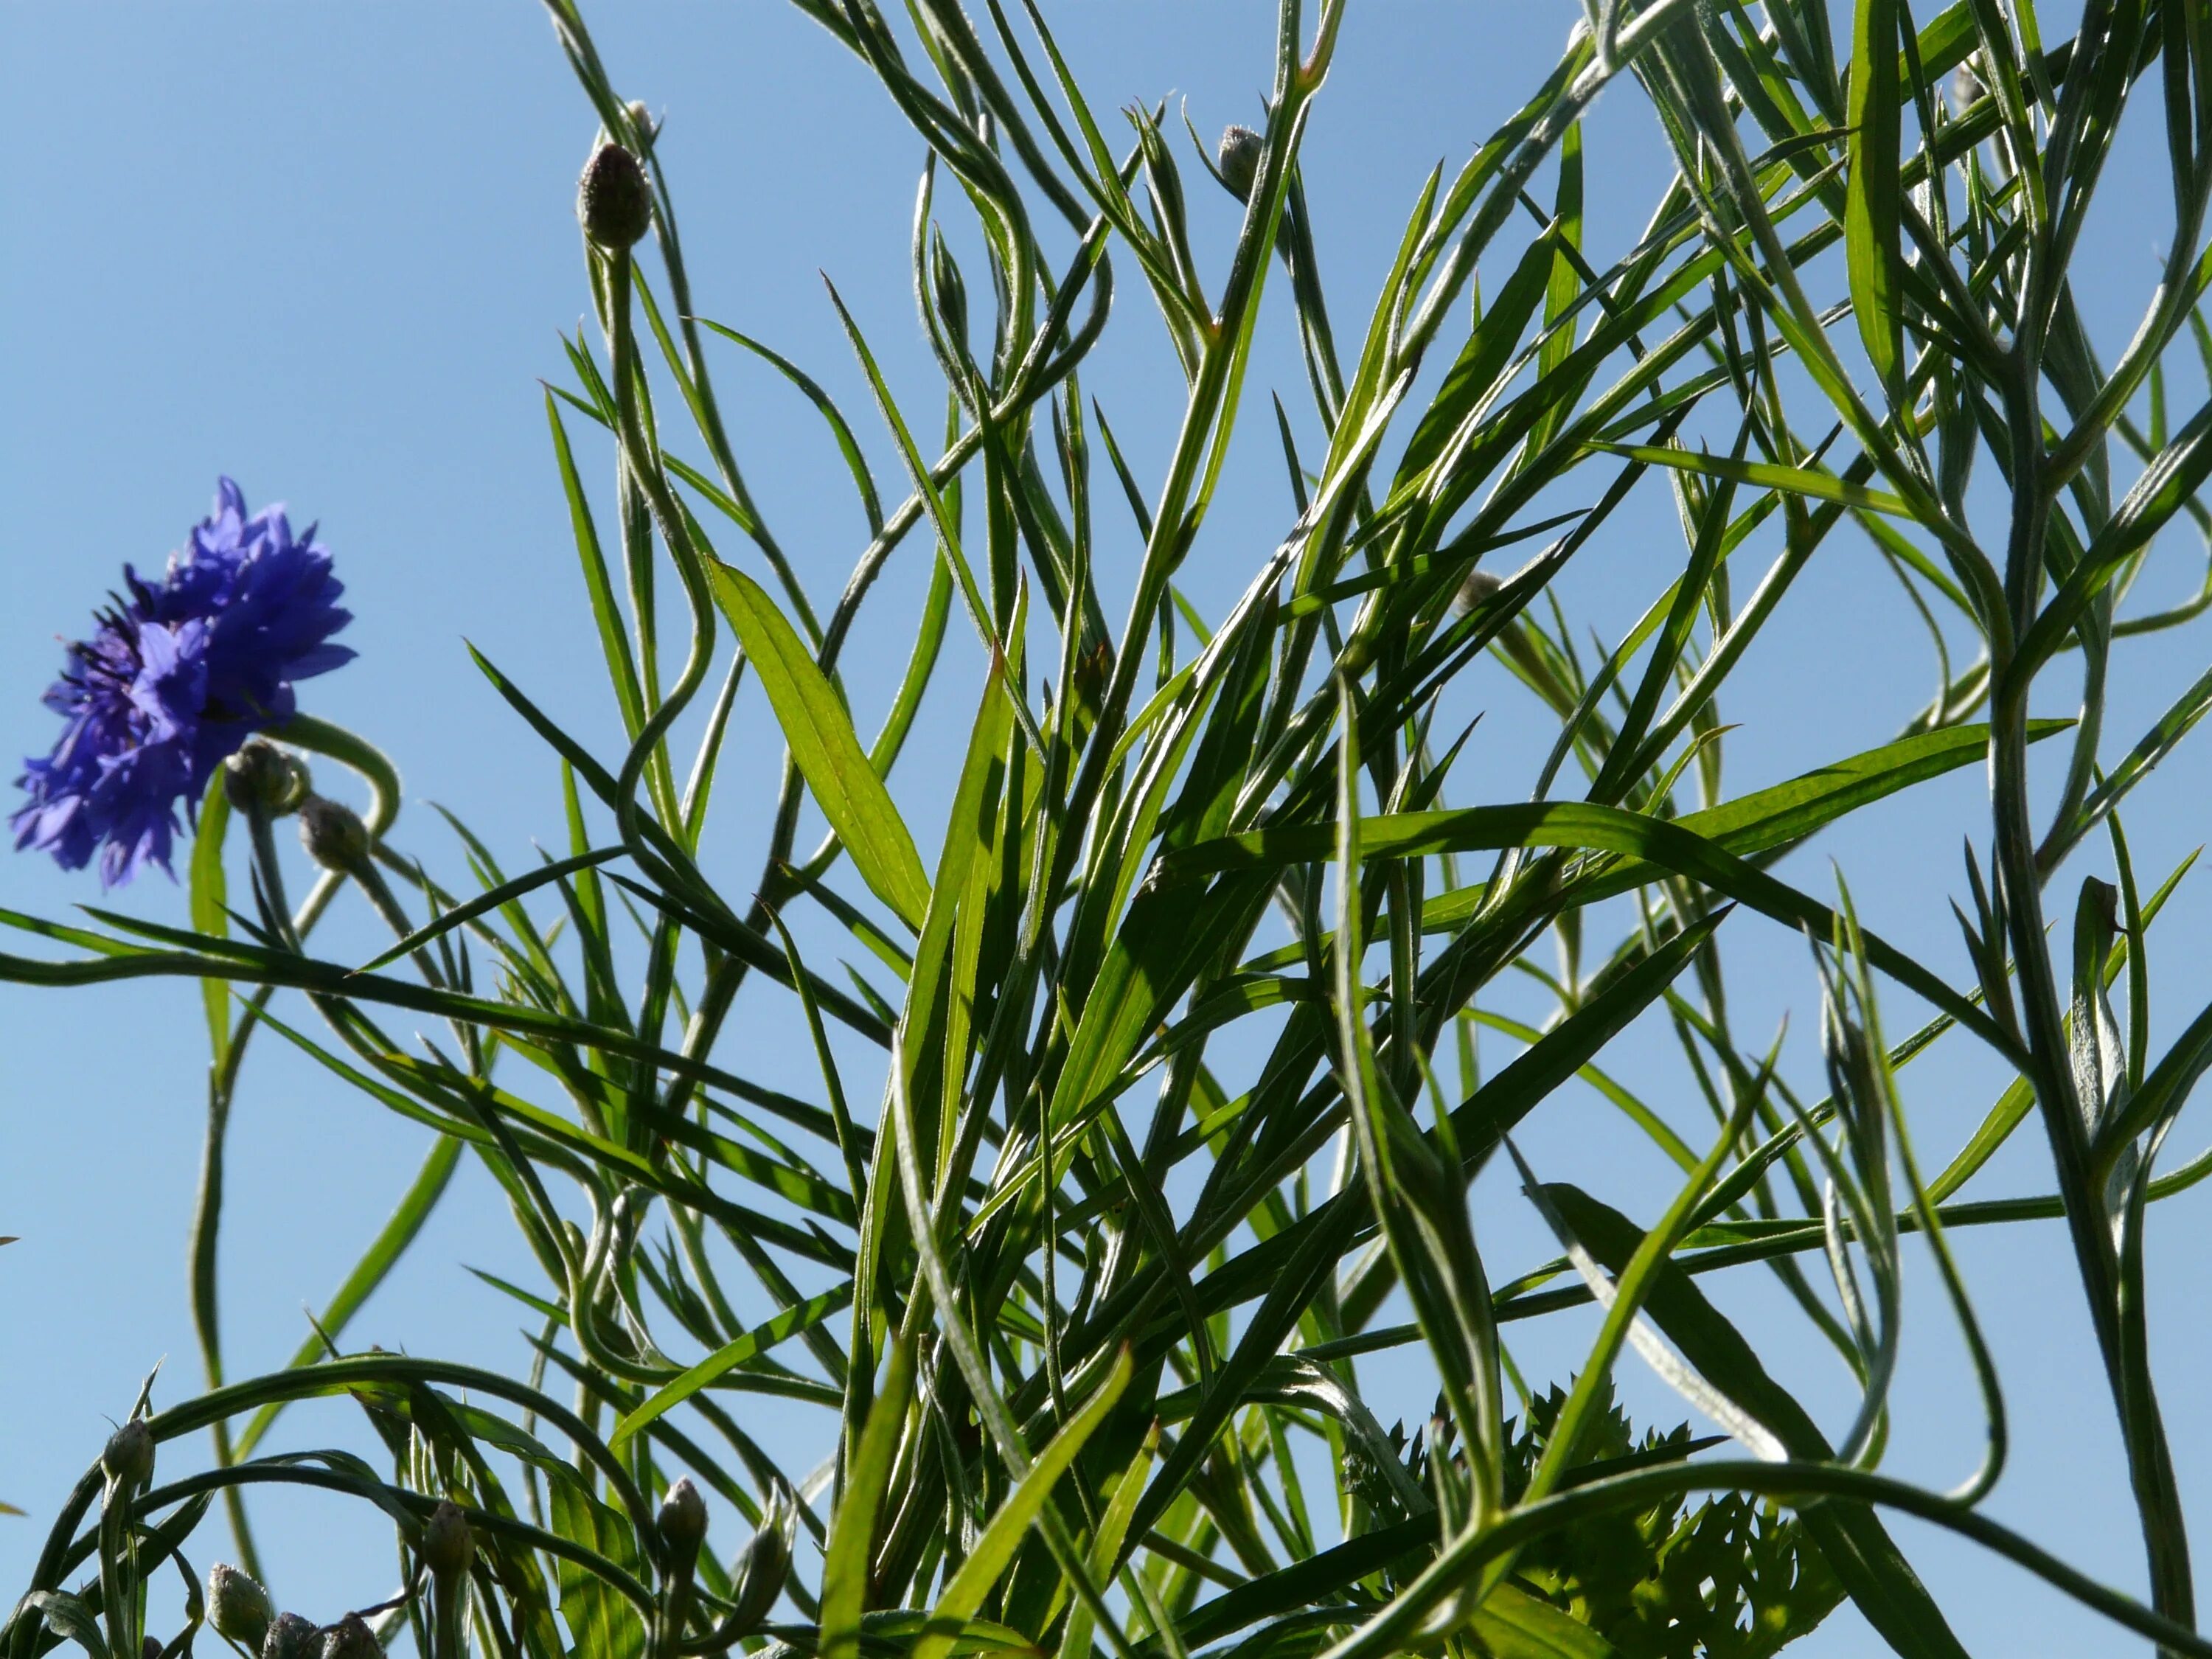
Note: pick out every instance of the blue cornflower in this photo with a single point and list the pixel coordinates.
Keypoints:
(177, 676)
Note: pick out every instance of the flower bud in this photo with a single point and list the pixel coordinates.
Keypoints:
(1238, 159)
(951, 294)
(333, 834)
(447, 1543)
(761, 1567)
(1479, 585)
(641, 119)
(261, 776)
(1093, 669)
(237, 1606)
(150, 1648)
(128, 1457)
(290, 1637)
(614, 201)
(683, 1519)
(351, 1638)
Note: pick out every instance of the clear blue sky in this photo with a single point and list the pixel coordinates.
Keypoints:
(326, 250)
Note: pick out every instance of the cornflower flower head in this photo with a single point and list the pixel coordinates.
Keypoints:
(179, 673)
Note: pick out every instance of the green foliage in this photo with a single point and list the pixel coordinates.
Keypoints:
(1151, 1086)
(1731, 1578)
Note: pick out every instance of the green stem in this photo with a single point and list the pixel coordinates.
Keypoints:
(376, 769)
(2151, 1475)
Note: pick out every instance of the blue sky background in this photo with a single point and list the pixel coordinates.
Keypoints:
(326, 251)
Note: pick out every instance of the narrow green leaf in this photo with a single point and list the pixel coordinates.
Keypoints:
(1767, 475)
(211, 907)
(2170, 483)
(699, 788)
(995, 1548)
(943, 517)
(1771, 817)
(1789, 812)
(2011, 1109)
(498, 897)
(846, 1556)
(758, 1340)
(1106, 1545)
(828, 754)
(614, 640)
(1418, 566)
(935, 1027)
(1576, 824)
(922, 663)
(890, 1630)
(1483, 1120)
(1871, 255)
(1472, 377)
(1312, 1581)
(1564, 292)
(2153, 746)
(848, 446)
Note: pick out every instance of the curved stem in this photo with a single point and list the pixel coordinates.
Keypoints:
(2166, 1540)
(376, 769)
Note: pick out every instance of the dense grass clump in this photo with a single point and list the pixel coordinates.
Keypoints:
(1149, 1100)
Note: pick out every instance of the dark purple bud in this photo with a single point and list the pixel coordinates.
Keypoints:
(290, 1637)
(614, 201)
(351, 1638)
(333, 834)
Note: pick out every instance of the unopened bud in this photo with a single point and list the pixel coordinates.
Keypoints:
(951, 293)
(762, 1566)
(290, 1637)
(333, 834)
(683, 1519)
(1093, 668)
(150, 1648)
(614, 203)
(1479, 585)
(1238, 159)
(447, 1543)
(237, 1606)
(128, 1457)
(351, 1638)
(261, 776)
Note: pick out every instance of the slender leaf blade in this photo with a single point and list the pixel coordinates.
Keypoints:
(824, 747)
(758, 1340)
(1872, 256)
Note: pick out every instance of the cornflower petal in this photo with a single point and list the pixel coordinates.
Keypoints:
(174, 679)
